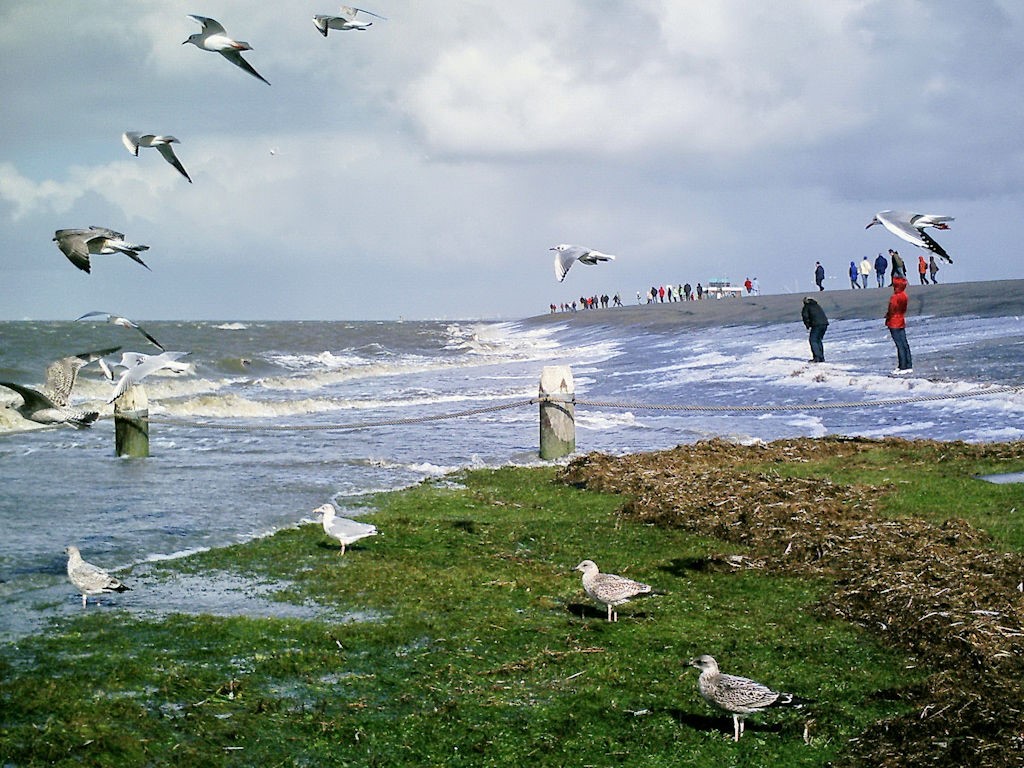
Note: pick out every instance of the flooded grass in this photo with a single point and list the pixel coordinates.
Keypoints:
(461, 636)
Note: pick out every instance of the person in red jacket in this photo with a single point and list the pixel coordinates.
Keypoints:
(896, 322)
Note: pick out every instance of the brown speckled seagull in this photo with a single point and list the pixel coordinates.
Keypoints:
(738, 696)
(609, 589)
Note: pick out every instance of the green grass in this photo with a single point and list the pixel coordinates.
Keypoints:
(484, 652)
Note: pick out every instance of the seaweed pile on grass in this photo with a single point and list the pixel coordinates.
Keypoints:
(940, 591)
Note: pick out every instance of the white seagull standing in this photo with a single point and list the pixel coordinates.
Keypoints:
(566, 255)
(78, 244)
(739, 696)
(138, 366)
(214, 38)
(124, 322)
(90, 579)
(343, 529)
(910, 227)
(344, 22)
(608, 588)
(50, 406)
(132, 141)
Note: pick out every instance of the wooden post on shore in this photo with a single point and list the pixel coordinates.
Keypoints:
(557, 412)
(131, 423)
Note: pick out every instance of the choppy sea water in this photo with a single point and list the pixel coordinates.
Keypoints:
(240, 447)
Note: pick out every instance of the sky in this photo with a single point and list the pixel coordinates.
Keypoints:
(424, 167)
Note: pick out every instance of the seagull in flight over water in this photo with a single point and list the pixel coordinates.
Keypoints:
(566, 255)
(132, 141)
(345, 21)
(138, 366)
(78, 244)
(50, 405)
(124, 322)
(215, 38)
(910, 227)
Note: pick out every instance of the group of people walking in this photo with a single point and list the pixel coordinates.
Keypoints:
(816, 322)
(860, 273)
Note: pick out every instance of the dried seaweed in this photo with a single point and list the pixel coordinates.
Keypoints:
(941, 592)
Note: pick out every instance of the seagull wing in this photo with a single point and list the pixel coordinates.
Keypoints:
(130, 139)
(62, 374)
(934, 247)
(210, 26)
(34, 399)
(565, 257)
(235, 57)
(322, 23)
(734, 692)
(363, 10)
(899, 224)
(592, 257)
(75, 247)
(167, 151)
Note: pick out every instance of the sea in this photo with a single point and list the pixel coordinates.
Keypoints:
(272, 419)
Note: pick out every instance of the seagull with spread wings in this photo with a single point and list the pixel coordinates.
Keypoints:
(214, 38)
(51, 404)
(345, 21)
(79, 244)
(910, 227)
(133, 140)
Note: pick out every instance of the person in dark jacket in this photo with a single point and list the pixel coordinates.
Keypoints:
(819, 275)
(895, 321)
(881, 264)
(817, 323)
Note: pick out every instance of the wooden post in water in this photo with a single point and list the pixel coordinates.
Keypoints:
(557, 412)
(131, 423)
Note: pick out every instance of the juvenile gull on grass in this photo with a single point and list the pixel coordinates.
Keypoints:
(124, 322)
(608, 588)
(78, 244)
(132, 141)
(50, 406)
(910, 227)
(566, 255)
(342, 528)
(739, 696)
(345, 21)
(214, 38)
(90, 579)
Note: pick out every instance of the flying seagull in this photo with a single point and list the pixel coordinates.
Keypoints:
(138, 366)
(342, 528)
(567, 255)
(132, 141)
(50, 406)
(609, 589)
(739, 696)
(214, 38)
(90, 579)
(124, 322)
(78, 244)
(346, 21)
(910, 227)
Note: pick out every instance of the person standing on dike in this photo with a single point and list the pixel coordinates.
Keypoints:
(895, 321)
(817, 323)
(819, 276)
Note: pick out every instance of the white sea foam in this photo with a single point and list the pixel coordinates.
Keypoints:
(231, 327)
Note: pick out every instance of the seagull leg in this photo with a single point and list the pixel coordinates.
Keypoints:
(83, 600)
(737, 727)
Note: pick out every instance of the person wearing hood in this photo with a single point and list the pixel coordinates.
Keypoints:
(817, 323)
(854, 275)
(895, 321)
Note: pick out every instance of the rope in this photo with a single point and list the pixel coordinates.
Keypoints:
(329, 427)
(584, 402)
(805, 407)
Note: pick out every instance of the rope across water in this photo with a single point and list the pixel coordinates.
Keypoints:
(583, 402)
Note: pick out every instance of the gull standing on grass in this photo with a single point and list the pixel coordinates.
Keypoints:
(738, 696)
(345, 21)
(90, 579)
(138, 366)
(132, 141)
(566, 255)
(910, 227)
(214, 38)
(609, 589)
(343, 529)
(124, 322)
(78, 244)
(50, 406)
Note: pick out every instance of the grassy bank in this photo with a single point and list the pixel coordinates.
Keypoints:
(472, 643)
